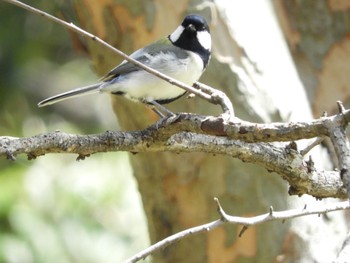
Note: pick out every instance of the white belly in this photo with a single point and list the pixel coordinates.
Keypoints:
(141, 85)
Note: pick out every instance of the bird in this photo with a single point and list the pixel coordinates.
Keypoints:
(183, 55)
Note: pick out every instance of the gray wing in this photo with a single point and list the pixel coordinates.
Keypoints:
(161, 46)
(124, 68)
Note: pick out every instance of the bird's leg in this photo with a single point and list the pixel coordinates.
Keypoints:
(160, 114)
(157, 108)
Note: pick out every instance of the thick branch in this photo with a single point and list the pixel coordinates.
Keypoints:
(185, 133)
(245, 221)
(288, 163)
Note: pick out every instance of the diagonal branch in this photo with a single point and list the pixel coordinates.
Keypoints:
(245, 221)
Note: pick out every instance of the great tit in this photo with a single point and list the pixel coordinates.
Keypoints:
(183, 55)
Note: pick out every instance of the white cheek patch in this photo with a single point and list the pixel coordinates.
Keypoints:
(204, 39)
(176, 34)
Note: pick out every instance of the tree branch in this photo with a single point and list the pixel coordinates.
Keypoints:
(245, 221)
(195, 133)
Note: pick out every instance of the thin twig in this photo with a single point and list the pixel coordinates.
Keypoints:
(217, 97)
(312, 145)
(245, 221)
(160, 75)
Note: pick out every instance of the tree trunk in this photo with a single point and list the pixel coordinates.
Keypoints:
(178, 190)
(316, 33)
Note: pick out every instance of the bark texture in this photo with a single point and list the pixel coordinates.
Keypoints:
(316, 32)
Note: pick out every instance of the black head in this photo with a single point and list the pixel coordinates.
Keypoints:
(193, 35)
(195, 23)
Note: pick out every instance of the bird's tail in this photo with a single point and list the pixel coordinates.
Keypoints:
(70, 94)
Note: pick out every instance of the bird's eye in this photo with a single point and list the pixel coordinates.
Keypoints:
(191, 27)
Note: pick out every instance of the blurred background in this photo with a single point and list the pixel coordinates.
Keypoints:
(81, 213)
